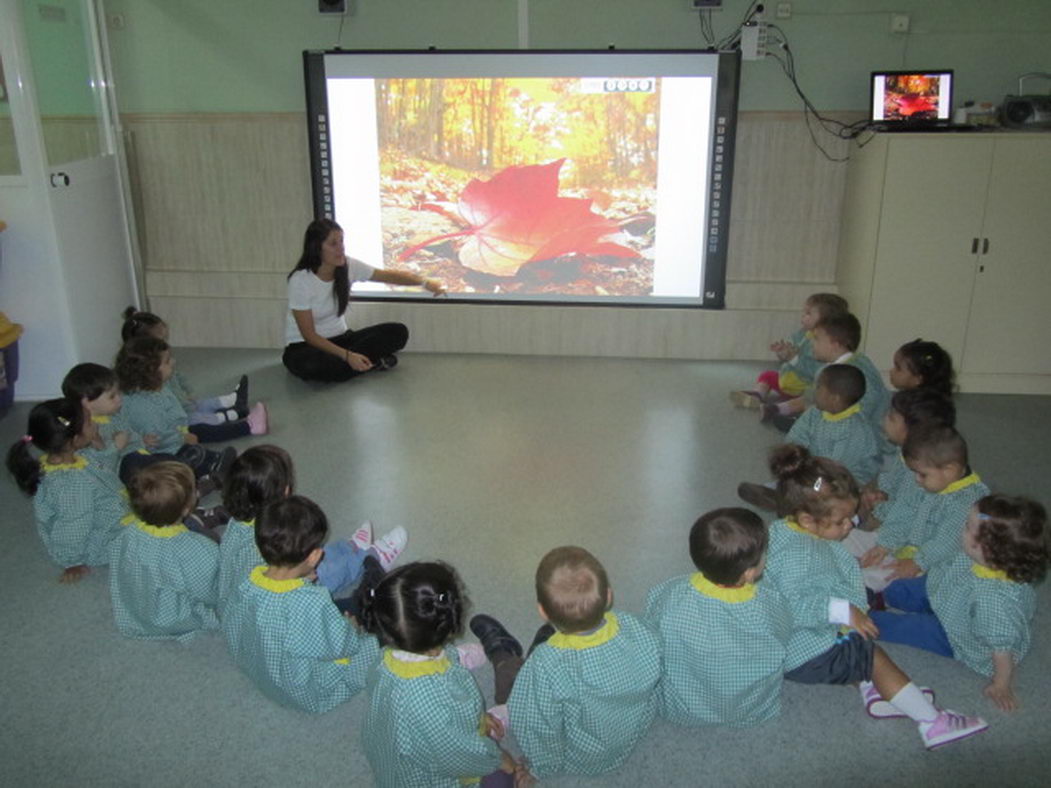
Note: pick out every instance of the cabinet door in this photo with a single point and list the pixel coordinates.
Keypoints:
(1009, 330)
(933, 198)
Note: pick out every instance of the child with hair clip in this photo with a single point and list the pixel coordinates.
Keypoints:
(798, 367)
(920, 364)
(724, 634)
(162, 575)
(426, 724)
(214, 419)
(979, 606)
(78, 503)
(144, 364)
(263, 475)
(832, 638)
(283, 630)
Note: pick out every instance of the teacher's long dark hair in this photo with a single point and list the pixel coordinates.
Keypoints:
(317, 231)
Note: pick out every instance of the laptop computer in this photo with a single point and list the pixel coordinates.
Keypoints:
(911, 100)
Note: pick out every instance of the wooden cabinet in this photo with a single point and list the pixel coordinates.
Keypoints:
(948, 237)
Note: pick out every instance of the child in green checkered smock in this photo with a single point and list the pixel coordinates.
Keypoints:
(426, 725)
(724, 635)
(832, 641)
(162, 575)
(78, 503)
(834, 426)
(978, 607)
(284, 631)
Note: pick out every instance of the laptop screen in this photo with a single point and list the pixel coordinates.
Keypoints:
(910, 98)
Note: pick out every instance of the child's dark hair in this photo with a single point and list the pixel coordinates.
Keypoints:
(842, 328)
(289, 530)
(1013, 536)
(809, 484)
(845, 381)
(160, 494)
(725, 543)
(53, 425)
(931, 363)
(138, 324)
(922, 406)
(138, 365)
(88, 381)
(417, 608)
(828, 304)
(936, 445)
(573, 589)
(259, 476)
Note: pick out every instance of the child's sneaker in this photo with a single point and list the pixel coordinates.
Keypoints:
(948, 727)
(241, 397)
(362, 538)
(472, 655)
(749, 400)
(881, 709)
(389, 546)
(501, 713)
(258, 420)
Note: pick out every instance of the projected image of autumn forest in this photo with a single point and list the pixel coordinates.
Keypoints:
(526, 186)
(912, 96)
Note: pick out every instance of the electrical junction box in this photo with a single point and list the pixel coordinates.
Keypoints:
(753, 40)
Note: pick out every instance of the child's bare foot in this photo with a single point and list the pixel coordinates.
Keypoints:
(73, 574)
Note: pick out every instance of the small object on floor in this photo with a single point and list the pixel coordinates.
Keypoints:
(881, 709)
(948, 727)
(541, 636)
(258, 420)
(758, 495)
(241, 397)
(494, 637)
(389, 546)
(389, 361)
(472, 655)
(749, 400)
(362, 538)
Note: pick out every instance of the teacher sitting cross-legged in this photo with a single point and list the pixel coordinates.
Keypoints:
(318, 344)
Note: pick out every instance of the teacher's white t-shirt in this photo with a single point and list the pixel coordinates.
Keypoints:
(306, 291)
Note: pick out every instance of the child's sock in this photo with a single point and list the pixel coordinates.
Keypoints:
(911, 701)
(472, 655)
(228, 400)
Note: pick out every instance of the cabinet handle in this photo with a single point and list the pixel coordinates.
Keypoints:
(985, 246)
(974, 246)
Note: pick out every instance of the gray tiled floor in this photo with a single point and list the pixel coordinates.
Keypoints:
(489, 462)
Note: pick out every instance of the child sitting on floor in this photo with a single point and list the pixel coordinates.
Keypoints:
(978, 607)
(723, 633)
(282, 629)
(162, 575)
(832, 638)
(586, 695)
(920, 364)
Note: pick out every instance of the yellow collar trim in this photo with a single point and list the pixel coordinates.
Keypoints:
(128, 519)
(987, 573)
(722, 593)
(269, 584)
(78, 464)
(160, 531)
(414, 670)
(959, 484)
(101, 419)
(794, 526)
(809, 334)
(843, 414)
(603, 634)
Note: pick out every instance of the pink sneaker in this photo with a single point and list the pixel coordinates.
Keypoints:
(881, 709)
(472, 655)
(948, 727)
(258, 420)
(389, 546)
(501, 713)
(362, 538)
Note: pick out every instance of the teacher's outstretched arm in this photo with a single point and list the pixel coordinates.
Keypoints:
(408, 279)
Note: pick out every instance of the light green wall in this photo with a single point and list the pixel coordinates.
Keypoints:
(59, 54)
(244, 55)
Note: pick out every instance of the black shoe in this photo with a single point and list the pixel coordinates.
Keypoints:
(219, 463)
(241, 401)
(541, 636)
(213, 517)
(371, 575)
(196, 523)
(387, 362)
(495, 639)
(758, 496)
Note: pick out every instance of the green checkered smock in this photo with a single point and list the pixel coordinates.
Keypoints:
(293, 642)
(844, 437)
(78, 508)
(877, 399)
(423, 727)
(982, 611)
(158, 413)
(809, 571)
(797, 374)
(238, 556)
(895, 480)
(178, 386)
(581, 703)
(162, 582)
(724, 650)
(929, 532)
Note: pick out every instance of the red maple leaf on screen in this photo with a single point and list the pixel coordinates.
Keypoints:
(517, 217)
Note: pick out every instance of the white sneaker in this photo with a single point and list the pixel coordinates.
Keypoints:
(389, 546)
(948, 727)
(881, 709)
(472, 655)
(362, 538)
